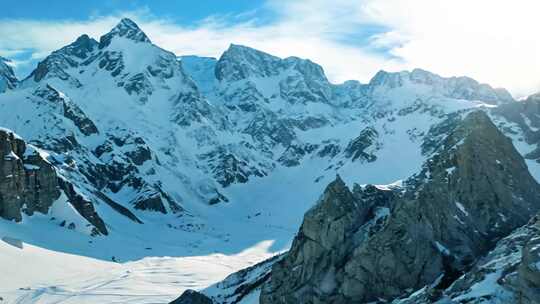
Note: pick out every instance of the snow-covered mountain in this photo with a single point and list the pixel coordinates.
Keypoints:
(160, 155)
(8, 81)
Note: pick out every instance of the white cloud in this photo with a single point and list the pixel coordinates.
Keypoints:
(490, 40)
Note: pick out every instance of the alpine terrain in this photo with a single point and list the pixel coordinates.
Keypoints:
(129, 174)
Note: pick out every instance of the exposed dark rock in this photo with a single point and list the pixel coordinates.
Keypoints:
(70, 110)
(526, 116)
(112, 61)
(139, 85)
(190, 108)
(150, 202)
(25, 179)
(510, 273)
(84, 207)
(192, 297)
(474, 190)
(239, 285)
(140, 153)
(67, 57)
(308, 85)
(228, 169)
(218, 198)
(118, 208)
(363, 147)
(294, 153)
(267, 127)
(329, 150)
(8, 80)
(240, 62)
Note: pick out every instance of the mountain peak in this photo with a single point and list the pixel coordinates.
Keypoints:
(126, 22)
(126, 28)
(240, 62)
(81, 47)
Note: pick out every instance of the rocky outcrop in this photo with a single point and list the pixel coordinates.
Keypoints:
(8, 81)
(68, 109)
(117, 207)
(522, 117)
(70, 56)
(325, 240)
(84, 207)
(27, 182)
(240, 62)
(192, 297)
(243, 284)
(150, 202)
(363, 147)
(293, 154)
(473, 191)
(510, 273)
(228, 168)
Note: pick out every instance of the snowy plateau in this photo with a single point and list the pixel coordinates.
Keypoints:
(131, 174)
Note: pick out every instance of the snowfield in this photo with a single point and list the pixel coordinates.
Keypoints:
(37, 275)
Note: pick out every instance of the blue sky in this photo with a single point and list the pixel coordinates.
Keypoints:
(351, 39)
(184, 12)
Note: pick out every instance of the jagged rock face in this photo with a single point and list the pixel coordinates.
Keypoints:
(70, 56)
(474, 190)
(69, 109)
(240, 62)
(363, 147)
(528, 283)
(27, 182)
(324, 241)
(523, 115)
(292, 156)
(240, 285)
(266, 127)
(8, 81)
(192, 297)
(229, 169)
(510, 273)
(298, 81)
(30, 184)
(84, 207)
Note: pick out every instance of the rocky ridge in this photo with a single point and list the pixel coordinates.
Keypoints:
(30, 184)
(473, 191)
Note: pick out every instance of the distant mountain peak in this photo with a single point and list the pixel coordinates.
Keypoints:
(126, 28)
(7, 76)
(461, 87)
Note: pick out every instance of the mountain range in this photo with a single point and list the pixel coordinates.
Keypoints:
(416, 188)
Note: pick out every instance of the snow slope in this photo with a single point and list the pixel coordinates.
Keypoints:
(39, 275)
